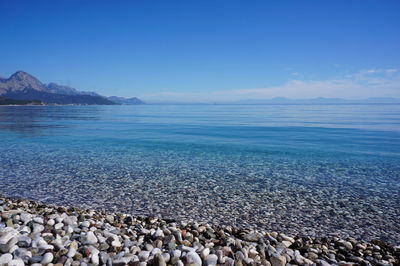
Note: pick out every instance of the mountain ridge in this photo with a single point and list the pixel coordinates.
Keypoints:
(125, 101)
(284, 100)
(20, 80)
(25, 87)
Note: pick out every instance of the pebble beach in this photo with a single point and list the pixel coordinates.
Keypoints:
(200, 133)
(199, 185)
(33, 233)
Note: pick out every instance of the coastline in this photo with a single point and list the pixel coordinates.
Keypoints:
(32, 232)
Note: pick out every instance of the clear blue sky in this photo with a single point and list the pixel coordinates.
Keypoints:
(207, 50)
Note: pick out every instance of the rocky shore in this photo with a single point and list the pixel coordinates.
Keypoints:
(33, 233)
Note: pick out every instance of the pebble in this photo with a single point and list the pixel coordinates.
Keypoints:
(5, 248)
(58, 226)
(158, 233)
(348, 245)
(71, 252)
(193, 257)
(24, 241)
(47, 258)
(143, 255)
(38, 220)
(179, 263)
(277, 260)
(204, 253)
(16, 262)
(25, 217)
(159, 260)
(95, 259)
(176, 253)
(252, 237)
(70, 220)
(90, 237)
(211, 260)
(5, 258)
(110, 218)
(85, 224)
(37, 228)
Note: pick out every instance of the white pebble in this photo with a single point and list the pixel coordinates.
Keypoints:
(95, 259)
(205, 252)
(38, 220)
(58, 226)
(5, 258)
(25, 217)
(85, 224)
(17, 262)
(91, 238)
(71, 252)
(193, 257)
(47, 258)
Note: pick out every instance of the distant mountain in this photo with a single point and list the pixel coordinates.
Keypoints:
(61, 89)
(22, 86)
(319, 100)
(125, 101)
(288, 101)
(20, 81)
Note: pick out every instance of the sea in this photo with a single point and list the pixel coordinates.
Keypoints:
(313, 170)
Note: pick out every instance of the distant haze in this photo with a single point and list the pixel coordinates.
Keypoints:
(372, 83)
(207, 51)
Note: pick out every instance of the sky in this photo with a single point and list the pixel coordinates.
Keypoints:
(199, 50)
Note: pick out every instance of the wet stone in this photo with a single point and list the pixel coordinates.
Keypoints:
(24, 241)
(35, 259)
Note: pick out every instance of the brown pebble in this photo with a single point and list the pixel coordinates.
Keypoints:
(86, 252)
(186, 243)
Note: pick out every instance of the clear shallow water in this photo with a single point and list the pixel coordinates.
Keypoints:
(310, 169)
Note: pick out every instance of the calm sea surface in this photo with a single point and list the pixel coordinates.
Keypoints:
(309, 169)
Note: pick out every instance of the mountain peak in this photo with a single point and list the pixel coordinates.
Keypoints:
(20, 81)
(26, 80)
(20, 75)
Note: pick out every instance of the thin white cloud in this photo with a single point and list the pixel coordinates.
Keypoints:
(391, 70)
(360, 85)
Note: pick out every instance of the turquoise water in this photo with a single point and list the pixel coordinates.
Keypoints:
(309, 169)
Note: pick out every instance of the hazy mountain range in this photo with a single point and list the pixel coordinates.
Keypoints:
(288, 101)
(22, 86)
(319, 100)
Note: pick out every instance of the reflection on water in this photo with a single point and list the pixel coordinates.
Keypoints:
(35, 120)
(308, 169)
